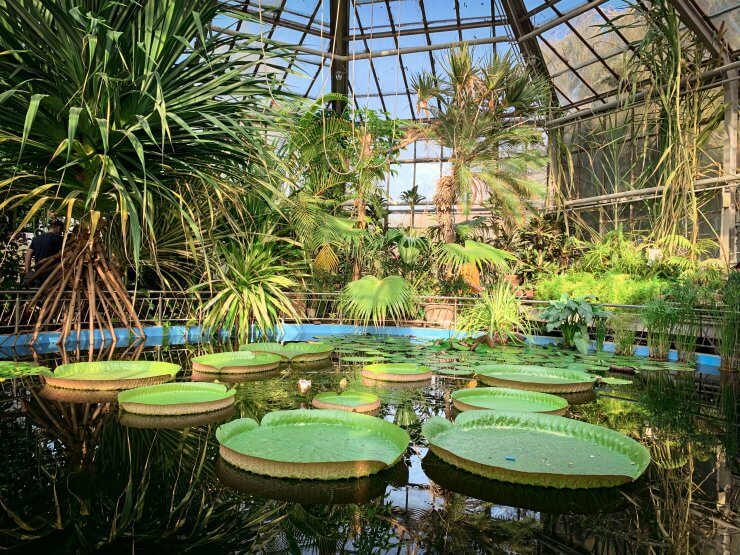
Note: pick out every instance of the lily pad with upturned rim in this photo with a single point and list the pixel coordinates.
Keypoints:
(536, 449)
(501, 398)
(353, 401)
(236, 362)
(536, 378)
(312, 444)
(176, 422)
(174, 399)
(295, 352)
(111, 375)
(397, 372)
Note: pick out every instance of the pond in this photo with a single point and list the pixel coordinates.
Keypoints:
(76, 479)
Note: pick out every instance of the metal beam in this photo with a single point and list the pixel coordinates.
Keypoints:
(339, 17)
(706, 33)
(523, 28)
(728, 222)
(481, 24)
(617, 103)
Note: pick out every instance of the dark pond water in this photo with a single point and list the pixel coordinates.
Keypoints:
(75, 479)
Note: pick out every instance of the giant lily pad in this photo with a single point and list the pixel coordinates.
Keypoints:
(312, 444)
(502, 398)
(353, 401)
(536, 449)
(397, 372)
(294, 352)
(172, 399)
(536, 378)
(111, 375)
(239, 362)
(18, 369)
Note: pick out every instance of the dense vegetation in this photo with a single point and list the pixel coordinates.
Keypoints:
(177, 165)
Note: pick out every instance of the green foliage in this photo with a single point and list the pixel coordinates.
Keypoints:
(572, 316)
(370, 299)
(728, 324)
(660, 318)
(467, 105)
(614, 252)
(623, 326)
(119, 113)
(609, 288)
(250, 287)
(498, 313)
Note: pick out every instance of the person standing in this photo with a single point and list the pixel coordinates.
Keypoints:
(42, 247)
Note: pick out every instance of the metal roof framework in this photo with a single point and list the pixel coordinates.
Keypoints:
(369, 50)
(382, 43)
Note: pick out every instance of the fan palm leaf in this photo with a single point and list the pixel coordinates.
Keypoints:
(370, 299)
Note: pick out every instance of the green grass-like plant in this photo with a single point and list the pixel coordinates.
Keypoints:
(497, 313)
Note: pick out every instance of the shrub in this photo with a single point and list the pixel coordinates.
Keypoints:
(610, 288)
(498, 313)
(572, 316)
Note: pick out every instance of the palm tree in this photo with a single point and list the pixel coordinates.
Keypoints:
(412, 198)
(119, 114)
(482, 115)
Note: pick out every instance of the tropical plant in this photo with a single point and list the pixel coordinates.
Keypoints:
(412, 198)
(115, 113)
(623, 326)
(616, 252)
(370, 299)
(683, 115)
(251, 285)
(498, 314)
(470, 259)
(573, 316)
(469, 111)
(610, 287)
(685, 298)
(660, 318)
(728, 323)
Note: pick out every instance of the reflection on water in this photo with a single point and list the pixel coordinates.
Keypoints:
(78, 477)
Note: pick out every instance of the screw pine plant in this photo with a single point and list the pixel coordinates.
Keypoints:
(116, 114)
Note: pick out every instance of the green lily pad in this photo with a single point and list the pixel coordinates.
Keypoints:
(312, 444)
(16, 369)
(536, 449)
(111, 375)
(237, 362)
(501, 398)
(171, 399)
(397, 372)
(294, 352)
(354, 401)
(536, 378)
(363, 359)
(458, 371)
(615, 381)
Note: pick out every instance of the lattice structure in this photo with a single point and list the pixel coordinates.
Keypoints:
(369, 50)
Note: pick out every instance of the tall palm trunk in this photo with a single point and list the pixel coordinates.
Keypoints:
(444, 201)
(362, 224)
(412, 206)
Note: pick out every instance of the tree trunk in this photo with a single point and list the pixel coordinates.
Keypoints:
(412, 216)
(80, 283)
(444, 200)
(362, 224)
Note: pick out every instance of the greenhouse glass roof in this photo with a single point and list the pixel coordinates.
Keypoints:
(382, 43)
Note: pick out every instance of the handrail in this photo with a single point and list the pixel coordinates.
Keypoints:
(160, 307)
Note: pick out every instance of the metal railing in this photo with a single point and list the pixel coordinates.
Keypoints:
(156, 308)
